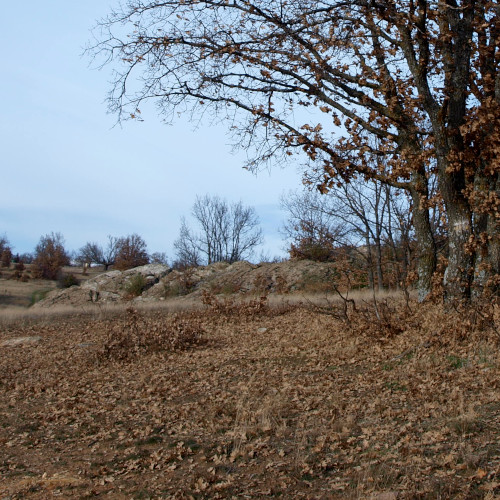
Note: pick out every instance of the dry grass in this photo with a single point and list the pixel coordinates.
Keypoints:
(281, 401)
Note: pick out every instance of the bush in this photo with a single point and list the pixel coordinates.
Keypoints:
(136, 286)
(67, 280)
(6, 257)
(142, 335)
(311, 250)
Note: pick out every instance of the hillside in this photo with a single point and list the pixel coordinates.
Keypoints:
(155, 282)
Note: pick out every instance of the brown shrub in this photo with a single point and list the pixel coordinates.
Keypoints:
(228, 306)
(141, 335)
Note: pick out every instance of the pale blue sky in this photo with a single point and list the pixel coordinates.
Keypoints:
(65, 168)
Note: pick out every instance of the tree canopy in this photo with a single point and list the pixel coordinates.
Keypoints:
(341, 84)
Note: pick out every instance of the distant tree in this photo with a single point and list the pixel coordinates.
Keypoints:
(5, 252)
(159, 258)
(186, 246)
(93, 253)
(371, 220)
(226, 233)
(6, 257)
(26, 258)
(132, 252)
(313, 233)
(50, 257)
(90, 253)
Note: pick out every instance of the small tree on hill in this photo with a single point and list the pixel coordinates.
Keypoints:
(159, 258)
(227, 233)
(93, 253)
(132, 252)
(50, 257)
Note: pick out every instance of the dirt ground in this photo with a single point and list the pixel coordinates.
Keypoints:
(247, 401)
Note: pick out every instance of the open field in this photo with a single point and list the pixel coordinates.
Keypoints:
(18, 295)
(248, 401)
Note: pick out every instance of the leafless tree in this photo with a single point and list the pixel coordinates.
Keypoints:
(159, 258)
(225, 233)
(370, 219)
(94, 253)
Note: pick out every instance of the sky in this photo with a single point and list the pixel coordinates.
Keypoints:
(67, 167)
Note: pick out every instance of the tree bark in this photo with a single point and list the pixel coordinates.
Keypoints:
(426, 245)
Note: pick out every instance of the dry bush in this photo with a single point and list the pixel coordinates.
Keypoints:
(460, 321)
(135, 286)
(228, 306)
(142, 335)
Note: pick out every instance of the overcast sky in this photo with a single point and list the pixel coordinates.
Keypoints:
(66, 168)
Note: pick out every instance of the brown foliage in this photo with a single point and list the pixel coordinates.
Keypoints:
(272, 404)
(231, 307)
(50, 257)
(141, 335)
(132, 252)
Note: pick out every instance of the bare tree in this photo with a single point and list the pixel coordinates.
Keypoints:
(313, 232)
(94, 253)
(366, 219)
(420, 77)
(159, 258)
(226, 233)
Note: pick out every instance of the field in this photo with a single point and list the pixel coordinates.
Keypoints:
(18, 295)
(249, 401)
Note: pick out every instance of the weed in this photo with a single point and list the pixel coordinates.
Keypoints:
(135, 286)
(456, 362)
(38, 295)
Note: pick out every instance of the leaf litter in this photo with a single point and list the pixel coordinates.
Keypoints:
(244, 400)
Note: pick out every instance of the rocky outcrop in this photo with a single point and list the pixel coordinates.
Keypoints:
(160, 282)
(112, 286)
(244, 278)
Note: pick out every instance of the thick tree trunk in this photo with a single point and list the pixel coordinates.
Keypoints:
(426, 245)
(460, 270)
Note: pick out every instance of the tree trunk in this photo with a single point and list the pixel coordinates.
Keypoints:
(459, 272)
(426, 245)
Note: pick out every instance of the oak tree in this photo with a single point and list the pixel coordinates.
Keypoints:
(337, 82)
(132, 252)
(50, 257)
